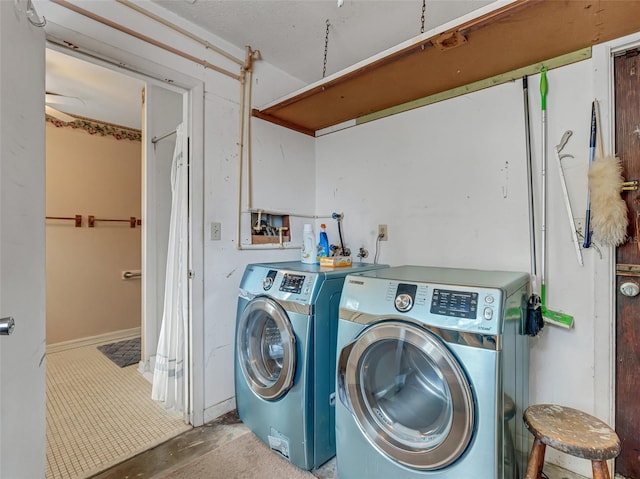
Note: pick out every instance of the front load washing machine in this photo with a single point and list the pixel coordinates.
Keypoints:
(432, 374)
(286, 333)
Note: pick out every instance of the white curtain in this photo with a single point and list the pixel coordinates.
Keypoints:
(171, 363)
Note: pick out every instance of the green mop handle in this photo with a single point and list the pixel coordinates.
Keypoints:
(544, 88)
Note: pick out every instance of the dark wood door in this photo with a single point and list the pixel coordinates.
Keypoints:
(627, 114)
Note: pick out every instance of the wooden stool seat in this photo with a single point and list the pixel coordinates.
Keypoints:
(573, 432)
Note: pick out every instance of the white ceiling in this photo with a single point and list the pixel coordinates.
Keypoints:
(102, 94)
(290, 35)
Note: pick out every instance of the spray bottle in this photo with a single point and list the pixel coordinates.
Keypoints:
(323, 244)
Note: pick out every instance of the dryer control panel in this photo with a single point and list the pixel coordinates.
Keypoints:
(461, 304)
(465, 308)
(458, 307)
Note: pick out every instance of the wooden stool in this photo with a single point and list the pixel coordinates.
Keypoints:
(573, 432)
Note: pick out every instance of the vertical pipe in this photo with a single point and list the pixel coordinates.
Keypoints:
(249, 163)
(240, 156)
(532, 228)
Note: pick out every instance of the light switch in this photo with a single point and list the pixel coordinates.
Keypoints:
(216, 231)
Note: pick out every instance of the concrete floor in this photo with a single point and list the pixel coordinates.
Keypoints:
(189, 446)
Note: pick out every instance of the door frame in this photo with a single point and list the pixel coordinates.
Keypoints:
(22, 240)
(193, 116)
(604, 284)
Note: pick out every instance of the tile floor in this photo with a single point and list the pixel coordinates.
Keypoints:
(99, 414)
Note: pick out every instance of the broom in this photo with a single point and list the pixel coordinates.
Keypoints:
(556, 318)
(609, 219)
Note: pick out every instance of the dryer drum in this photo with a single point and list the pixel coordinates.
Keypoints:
(266, 348)
(408, 394)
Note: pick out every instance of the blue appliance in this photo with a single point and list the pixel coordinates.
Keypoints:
(286, 332)
(432, 374)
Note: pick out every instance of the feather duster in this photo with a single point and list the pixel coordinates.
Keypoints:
(609, 220)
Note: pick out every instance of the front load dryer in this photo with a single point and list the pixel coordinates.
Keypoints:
(286, 331)
(432, 374)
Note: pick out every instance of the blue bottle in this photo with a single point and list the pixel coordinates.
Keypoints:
(323, 244)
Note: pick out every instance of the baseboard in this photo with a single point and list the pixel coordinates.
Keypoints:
(219, 409)
(147, 368)
(101, 338)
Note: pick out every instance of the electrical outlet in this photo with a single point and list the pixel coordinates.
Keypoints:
(382, 233)
(216, 231)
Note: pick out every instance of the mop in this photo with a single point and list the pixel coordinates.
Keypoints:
(609, 219)
(552, 317)
(534, 322)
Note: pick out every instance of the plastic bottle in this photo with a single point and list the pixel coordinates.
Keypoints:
(323, 244)
(308, 251)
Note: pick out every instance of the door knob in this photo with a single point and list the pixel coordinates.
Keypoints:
(7, 326)
(630, 289)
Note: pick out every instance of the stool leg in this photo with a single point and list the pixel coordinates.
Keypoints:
(600, 470)
(536, 461)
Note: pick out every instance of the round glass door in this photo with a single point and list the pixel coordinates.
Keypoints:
(266, 348)
(409, 395)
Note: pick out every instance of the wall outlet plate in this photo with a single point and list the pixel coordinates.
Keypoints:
(382, 233)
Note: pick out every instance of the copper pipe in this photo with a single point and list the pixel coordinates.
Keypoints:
(181, 30)
(144, 38)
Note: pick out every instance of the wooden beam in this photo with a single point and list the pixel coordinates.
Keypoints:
(507, 39)
(561, 61)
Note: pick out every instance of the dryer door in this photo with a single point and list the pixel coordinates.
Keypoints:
(266, 348)
(408, 394)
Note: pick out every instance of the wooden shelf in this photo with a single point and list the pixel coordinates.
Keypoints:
(516, 35)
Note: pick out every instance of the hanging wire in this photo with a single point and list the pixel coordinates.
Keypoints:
(326, 49)
(422, 17)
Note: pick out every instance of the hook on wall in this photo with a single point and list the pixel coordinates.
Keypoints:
(30, 12)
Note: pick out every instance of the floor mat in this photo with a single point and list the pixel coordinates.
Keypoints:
(123, 353)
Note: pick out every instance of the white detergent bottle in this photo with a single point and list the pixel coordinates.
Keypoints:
(308, 253)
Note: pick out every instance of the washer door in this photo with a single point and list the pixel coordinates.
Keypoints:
(408, 394)
(266, 348)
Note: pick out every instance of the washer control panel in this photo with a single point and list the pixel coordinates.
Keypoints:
(405, 296)
(292, 283)
(267, 282)
(289, 285)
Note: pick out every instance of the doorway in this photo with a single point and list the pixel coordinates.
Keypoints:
(92, 406)
(627, 147)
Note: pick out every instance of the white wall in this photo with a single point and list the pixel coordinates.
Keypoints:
(450, 182)
(99, 176)
(283, 171)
